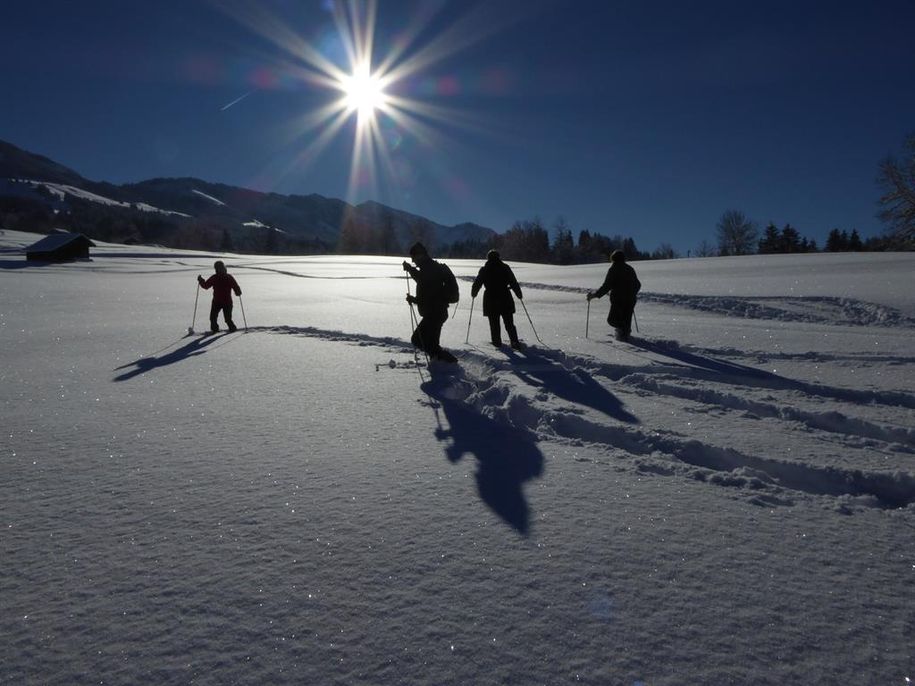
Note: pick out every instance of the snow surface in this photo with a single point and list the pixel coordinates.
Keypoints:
(215, 201)
(726, 500)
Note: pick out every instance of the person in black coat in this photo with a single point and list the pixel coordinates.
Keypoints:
(436, 288)
(623, 286)
(499, 281)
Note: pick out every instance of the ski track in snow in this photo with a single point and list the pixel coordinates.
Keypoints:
(560, 398)
(809, 309)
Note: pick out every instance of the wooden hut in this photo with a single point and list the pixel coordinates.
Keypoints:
(59, 247)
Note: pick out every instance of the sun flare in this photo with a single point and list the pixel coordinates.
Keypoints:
(364, 91)
(383, 89)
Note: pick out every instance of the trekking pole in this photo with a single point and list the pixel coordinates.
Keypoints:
(190, 329)
(636, 320)
(467, 338)
(588, 318)
(243, 317)
(529, 319)
(415, 325)
(412, 320)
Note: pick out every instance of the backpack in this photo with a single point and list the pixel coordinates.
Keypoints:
(452, 293)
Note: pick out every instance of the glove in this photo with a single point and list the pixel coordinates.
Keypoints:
(590, 295)
(411, 299)
(406, 266)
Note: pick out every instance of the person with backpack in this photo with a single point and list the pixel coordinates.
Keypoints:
(436, 288)
(623, 286)
(222, 284)
(499, 281)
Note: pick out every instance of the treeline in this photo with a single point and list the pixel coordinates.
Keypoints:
(529, 241)
(525, 241)
(132, 226)
(738, 235)
(789, 240)
(361, 237)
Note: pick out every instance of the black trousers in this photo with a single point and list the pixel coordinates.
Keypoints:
(620, 316)
(495, 332)
(226, 313)
(428, 332)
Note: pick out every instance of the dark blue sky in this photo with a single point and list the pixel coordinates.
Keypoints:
(639, 118)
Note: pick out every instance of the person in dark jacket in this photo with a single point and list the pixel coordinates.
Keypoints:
(436, 287)
(623, 286)
(499, 281)
(222, 284)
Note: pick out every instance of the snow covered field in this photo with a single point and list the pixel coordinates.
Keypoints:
(729, 499)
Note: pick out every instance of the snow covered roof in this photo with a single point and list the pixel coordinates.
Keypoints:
(59, 247)
(55, 241)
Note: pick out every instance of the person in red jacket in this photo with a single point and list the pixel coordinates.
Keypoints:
(222, 284)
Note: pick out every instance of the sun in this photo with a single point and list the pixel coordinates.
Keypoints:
(363, 91)
(380, 90)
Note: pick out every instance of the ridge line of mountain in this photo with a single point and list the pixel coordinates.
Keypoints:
(189, 204)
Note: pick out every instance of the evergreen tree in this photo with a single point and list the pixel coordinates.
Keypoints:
(770, 242)
(835, 242)
(564, 244)
(270, 241)
(627, 245)
(854, 242)
(352, 237)
(388, 238)
(527, 241)
(226, 244)
(790, 240)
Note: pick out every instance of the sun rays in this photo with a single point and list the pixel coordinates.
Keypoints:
(381, 105)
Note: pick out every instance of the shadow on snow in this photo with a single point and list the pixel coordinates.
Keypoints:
(196, 346)
(506, 456)
(536, 368)
(708, 368)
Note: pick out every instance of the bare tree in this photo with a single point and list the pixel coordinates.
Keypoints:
(736, 234)
(563, 243)
(664, 251)
(706, 249)
(897, 179)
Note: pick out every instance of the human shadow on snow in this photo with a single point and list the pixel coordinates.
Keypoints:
(722, 367)
(537, 369)
(196, 346)
(506, 456)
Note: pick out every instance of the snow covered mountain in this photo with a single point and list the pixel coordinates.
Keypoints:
(197, 213)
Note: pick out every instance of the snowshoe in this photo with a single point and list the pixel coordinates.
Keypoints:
(443, 356)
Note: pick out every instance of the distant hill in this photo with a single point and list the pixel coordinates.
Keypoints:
(39, 194)
(17, 163)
